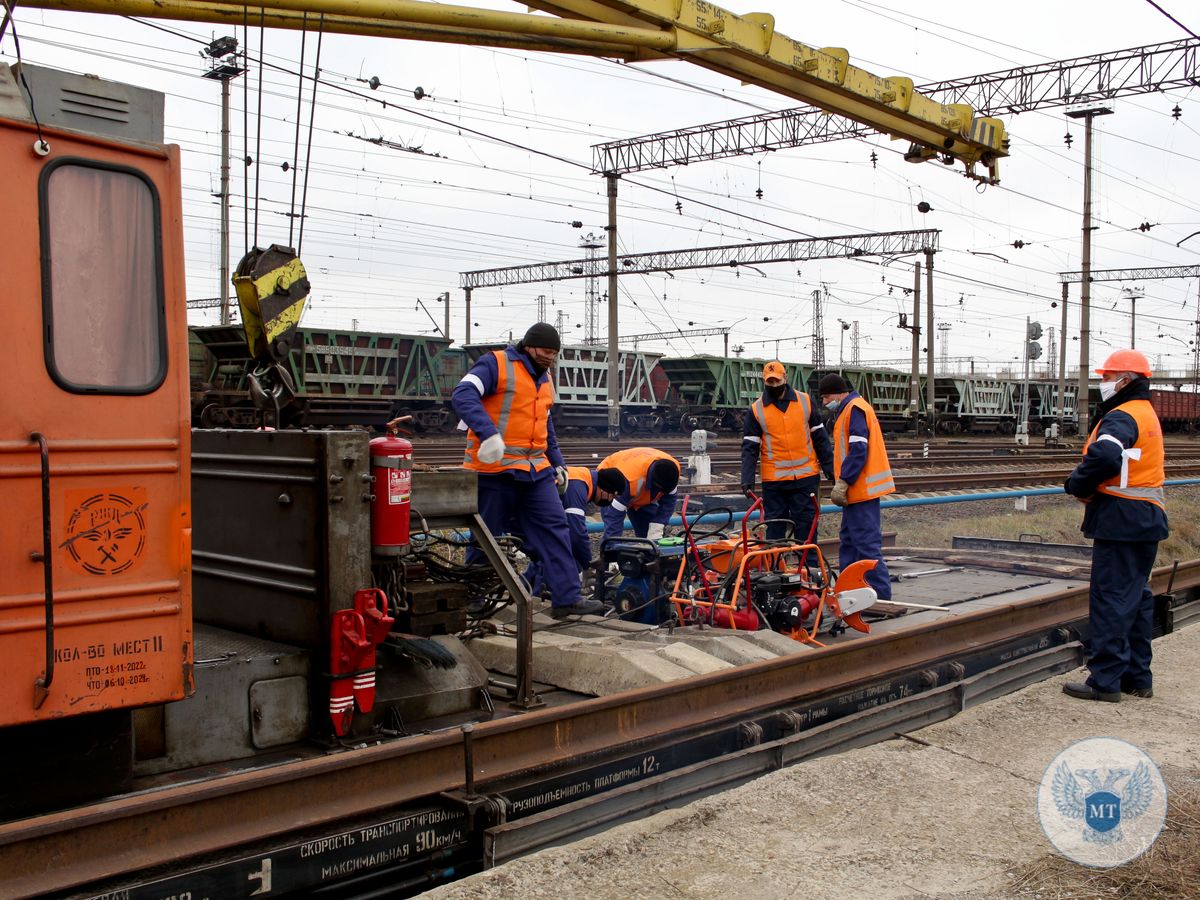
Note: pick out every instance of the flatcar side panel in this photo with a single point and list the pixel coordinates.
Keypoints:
(91, 246)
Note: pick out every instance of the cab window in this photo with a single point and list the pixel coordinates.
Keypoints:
(102, 278)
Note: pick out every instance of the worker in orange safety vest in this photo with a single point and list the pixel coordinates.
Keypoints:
(784, 428)
(651, 477)
(862, 476)
(1121, 479)
(504, 403)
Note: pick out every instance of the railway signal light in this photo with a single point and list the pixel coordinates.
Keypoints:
(1034, 350)
(1034, 331)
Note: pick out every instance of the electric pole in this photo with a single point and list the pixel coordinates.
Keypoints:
(944, 343)
(224, 65)
(1087, 113)
(591, 244)
(818, 335)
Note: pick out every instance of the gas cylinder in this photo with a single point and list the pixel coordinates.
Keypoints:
(391, 466)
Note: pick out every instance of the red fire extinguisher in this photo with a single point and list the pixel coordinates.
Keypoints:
(391, 465)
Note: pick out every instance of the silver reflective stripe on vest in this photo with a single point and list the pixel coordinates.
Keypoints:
(878, 479)
(520, 457)
(1154, 495)
(510, 391)
(762, 424)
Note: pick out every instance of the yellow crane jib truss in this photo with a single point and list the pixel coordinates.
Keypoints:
(746, 47)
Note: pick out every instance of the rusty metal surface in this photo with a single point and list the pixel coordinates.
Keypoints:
(75, 847)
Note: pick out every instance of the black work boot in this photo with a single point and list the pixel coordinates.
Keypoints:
(1082, 691)
(580, 608)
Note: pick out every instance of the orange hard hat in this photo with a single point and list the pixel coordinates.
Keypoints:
(1126, 361)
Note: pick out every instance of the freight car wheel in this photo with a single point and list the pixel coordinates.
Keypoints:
(213, 416)
(629, 424)
(689, 422)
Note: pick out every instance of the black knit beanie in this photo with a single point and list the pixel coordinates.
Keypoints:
(833, 383)
(664, 475)
(611, 480)
(543, 334)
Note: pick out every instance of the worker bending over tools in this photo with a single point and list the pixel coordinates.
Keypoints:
(649, 497)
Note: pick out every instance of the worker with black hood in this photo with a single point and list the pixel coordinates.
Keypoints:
(651, 477)
(784, 428)
(504, 402)
(1121, 480)
(584, 486)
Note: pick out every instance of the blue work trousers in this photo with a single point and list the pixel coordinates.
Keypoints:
(861, 537)
(533, 511)
(1120, 615)
(793, 501)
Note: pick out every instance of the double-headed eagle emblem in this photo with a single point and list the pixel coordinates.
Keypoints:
(1098, 806)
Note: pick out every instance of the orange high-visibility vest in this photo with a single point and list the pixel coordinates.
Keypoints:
(875, 480)
(634, 464)
(1142, 473)
(581, 473)
(519, 407)
(786, 440)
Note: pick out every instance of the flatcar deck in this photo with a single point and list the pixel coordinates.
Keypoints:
(472, 796)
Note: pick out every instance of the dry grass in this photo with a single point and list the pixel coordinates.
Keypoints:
(1169, 870)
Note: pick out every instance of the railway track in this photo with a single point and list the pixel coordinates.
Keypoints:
(671, 742)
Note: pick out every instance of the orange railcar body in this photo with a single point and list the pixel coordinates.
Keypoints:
(100, 371)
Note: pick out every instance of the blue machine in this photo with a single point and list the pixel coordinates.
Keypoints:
(644, 575)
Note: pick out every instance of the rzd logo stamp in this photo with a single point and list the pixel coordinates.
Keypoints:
(1102, 802)
(106, 530)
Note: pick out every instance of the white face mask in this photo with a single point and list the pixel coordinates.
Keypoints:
(1108, 389)
(833, 405)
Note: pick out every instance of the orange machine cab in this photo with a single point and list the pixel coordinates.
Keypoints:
(94, 437)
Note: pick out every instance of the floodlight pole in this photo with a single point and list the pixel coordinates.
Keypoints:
(224, 67)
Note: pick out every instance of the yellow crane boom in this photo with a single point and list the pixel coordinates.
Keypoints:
(746, 47)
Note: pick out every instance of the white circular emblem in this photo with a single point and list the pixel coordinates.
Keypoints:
(1102, 802)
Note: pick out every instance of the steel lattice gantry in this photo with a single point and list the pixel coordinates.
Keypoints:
(1144, 273)
(891, 243)
(1138, 70)
(1141, 273)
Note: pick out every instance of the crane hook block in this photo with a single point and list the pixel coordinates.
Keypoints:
(272, 288)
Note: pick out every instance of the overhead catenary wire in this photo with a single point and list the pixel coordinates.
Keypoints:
(720, 209)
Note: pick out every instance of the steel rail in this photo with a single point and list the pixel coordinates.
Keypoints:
(75, 847)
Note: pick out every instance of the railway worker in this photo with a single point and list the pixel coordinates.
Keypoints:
(785, 429)
(504, 401)
(584, 486)
(863, 475)
(1120, 478)
(651, 477)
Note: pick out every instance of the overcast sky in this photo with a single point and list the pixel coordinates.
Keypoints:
(387, 227)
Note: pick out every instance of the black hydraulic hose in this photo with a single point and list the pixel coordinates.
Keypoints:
(41, 685)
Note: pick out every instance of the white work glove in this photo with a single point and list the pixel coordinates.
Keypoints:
(492, 449)
(839, 492)
(655, 531)
(561, 478)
